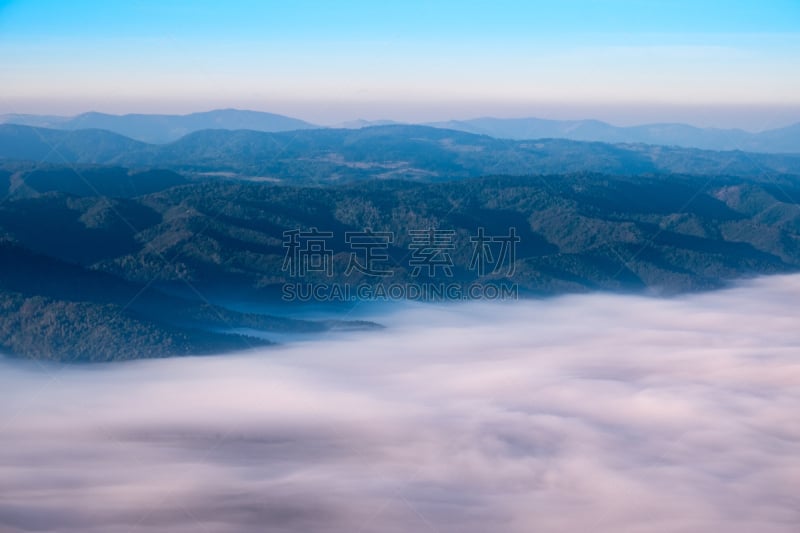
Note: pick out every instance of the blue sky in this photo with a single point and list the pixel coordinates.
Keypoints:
(620, 60)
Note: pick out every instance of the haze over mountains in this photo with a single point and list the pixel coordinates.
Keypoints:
(781, 140)
(161, 128)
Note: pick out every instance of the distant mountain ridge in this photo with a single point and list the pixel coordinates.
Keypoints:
(781, 140)
(161, 128)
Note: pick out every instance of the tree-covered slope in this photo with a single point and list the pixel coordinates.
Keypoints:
(576, 231)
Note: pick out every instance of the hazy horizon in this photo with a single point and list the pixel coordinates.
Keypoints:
(716, 64)
(745, 118)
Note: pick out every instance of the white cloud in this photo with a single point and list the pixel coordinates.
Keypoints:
(598, 412)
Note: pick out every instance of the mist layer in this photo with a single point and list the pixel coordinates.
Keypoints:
(598, 412)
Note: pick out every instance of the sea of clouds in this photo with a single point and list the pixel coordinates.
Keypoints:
(601, 412)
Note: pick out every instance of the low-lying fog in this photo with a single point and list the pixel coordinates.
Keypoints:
(600, 413)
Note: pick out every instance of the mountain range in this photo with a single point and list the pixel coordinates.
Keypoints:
(780, 140)
(422, 153)
(161, 128)
(113, 248)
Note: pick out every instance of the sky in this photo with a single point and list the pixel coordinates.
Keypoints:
(598, 412)
(723, 63)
